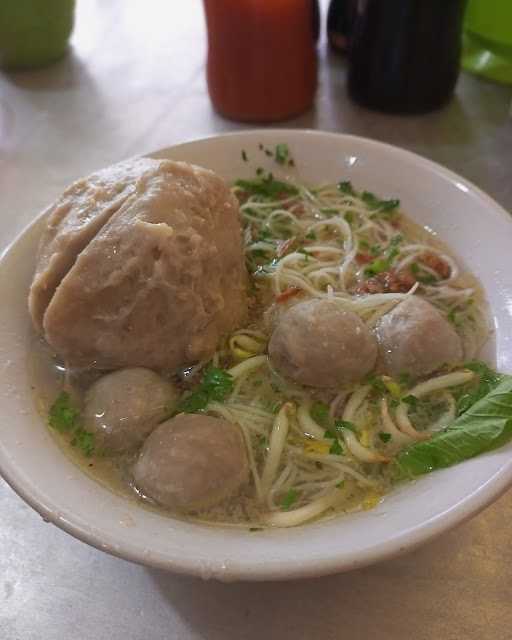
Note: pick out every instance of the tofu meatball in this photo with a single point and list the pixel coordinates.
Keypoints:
(415, 338)
(192, 462)
(318, 343)
(122, 408)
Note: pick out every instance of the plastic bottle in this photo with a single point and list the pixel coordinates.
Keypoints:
(405, 54)
(261, 63)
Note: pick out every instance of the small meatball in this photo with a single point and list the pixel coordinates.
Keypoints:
(317, 343)
(123, 408)
(192, 462)
(415, 338)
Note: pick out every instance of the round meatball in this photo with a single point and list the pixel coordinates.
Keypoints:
(192, 462)
(415, 338)
(317, 343)
(123, 408)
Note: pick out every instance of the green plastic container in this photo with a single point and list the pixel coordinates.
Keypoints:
(488, 39)
(34, 33)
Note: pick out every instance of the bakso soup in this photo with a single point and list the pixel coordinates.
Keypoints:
(264, 354)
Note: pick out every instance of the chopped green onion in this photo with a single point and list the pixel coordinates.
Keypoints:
(83, 440)
(347, 188)
(282, 153)
(376, 383)
(344, 424)
(215, 385)
(336, 448)
(63, 415)
(289, 499)
(411, 400)
(320, 413)
(267, 186)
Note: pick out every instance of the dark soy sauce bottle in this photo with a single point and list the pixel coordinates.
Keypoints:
(315, 17)
(405, 54)
(340, 20)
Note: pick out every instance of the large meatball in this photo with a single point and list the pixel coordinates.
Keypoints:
(192, 462)
(73, 221)
(415, 338)
(320, 344)
(154, 282)
(122, 408)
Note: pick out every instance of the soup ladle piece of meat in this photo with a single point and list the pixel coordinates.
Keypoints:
(415, 338)
(122, 408)
(192, 462)
(320, 344)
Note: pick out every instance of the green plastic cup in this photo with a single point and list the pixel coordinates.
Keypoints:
(34, 33)
(488, 39)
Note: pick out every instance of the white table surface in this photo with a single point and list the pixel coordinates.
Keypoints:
(134, 82)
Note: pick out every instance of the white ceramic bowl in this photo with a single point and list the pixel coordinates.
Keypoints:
(479, 232)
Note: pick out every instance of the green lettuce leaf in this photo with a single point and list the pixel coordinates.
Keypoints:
(486, 425)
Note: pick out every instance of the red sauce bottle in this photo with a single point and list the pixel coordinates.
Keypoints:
(261, 58)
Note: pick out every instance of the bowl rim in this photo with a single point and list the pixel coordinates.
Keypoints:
(402, 542)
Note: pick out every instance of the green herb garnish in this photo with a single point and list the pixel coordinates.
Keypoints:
(64, 417)
(282, 153)
(289, 499)
(215, 386)
(376, 383)
(426, 278)
(452, 317)
(385, 437)
(383, 263)
(374, 202)
(421, 276)
(339, 425)
(262, 442)
(320, 413)
(347, 188)
(84, 441)
(267, 187)
(377, 266)
(411, 400)
(336, 448)
(404, 379)
(259, 253)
